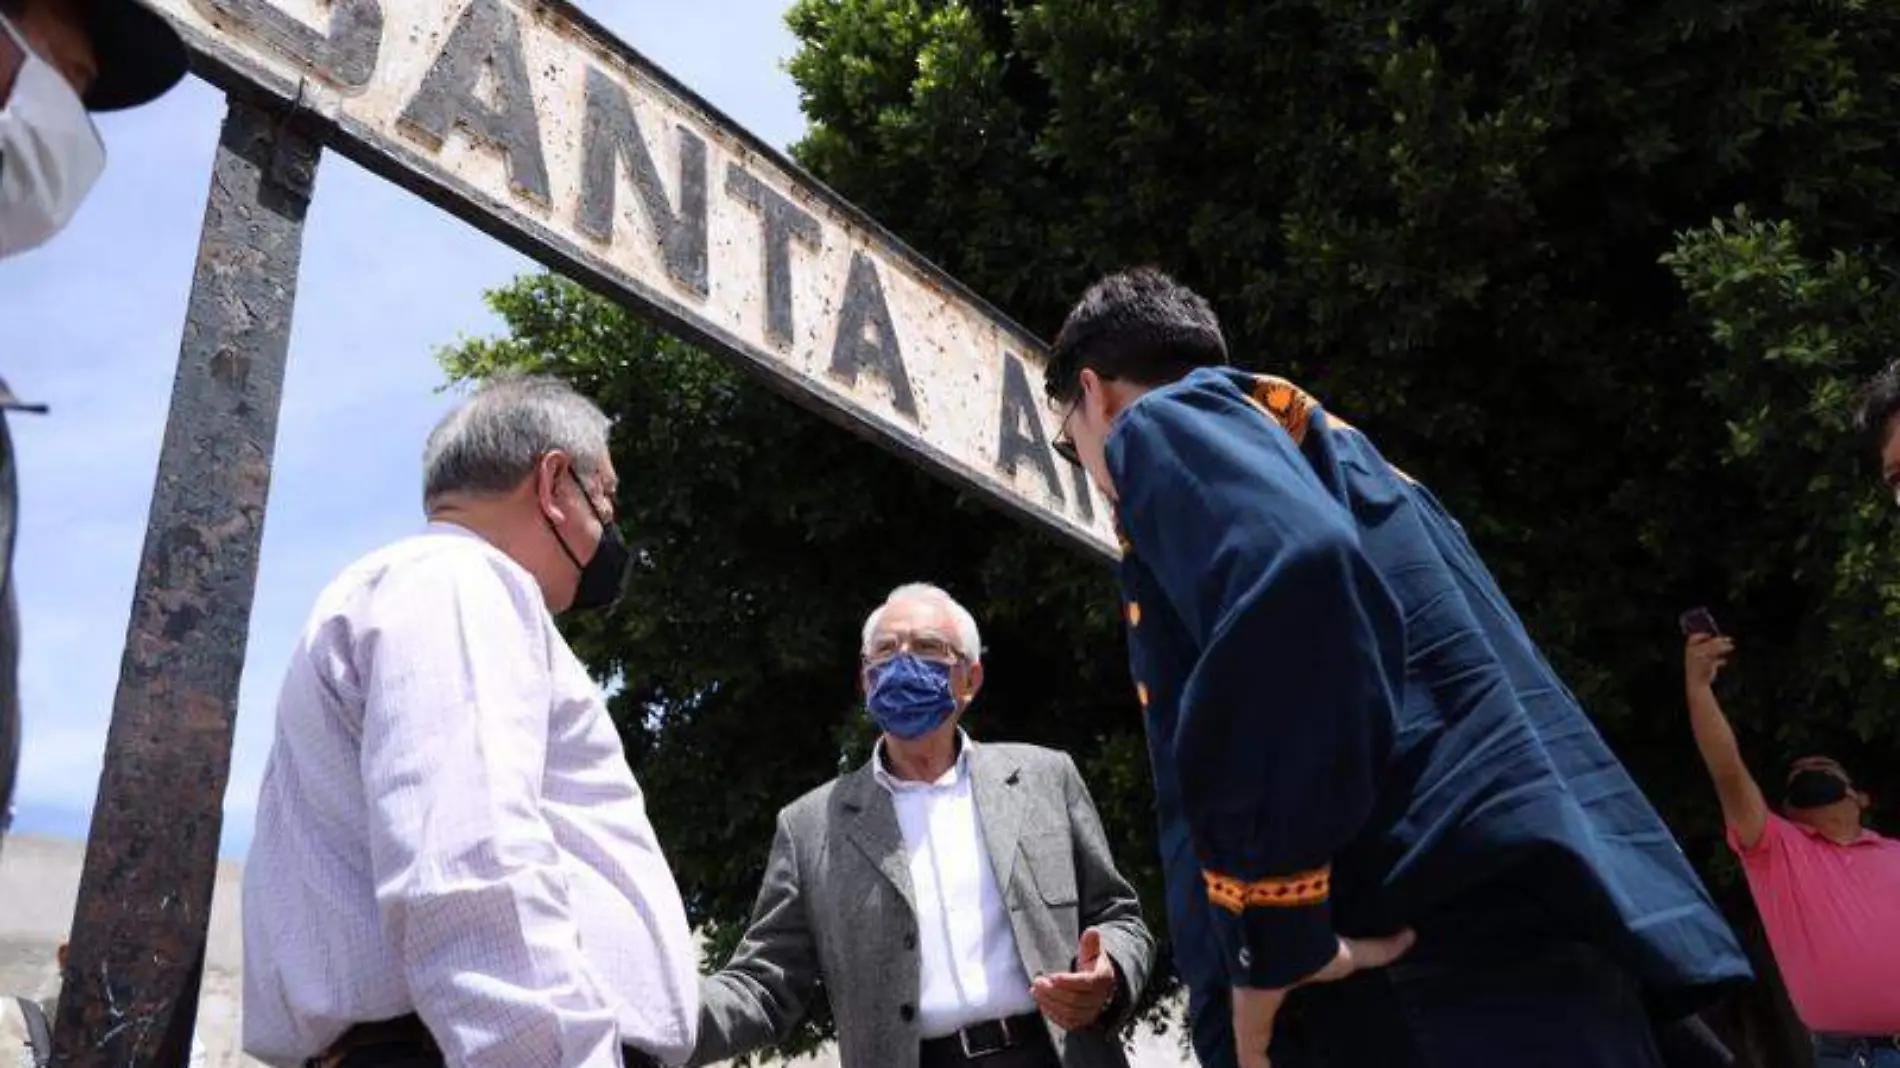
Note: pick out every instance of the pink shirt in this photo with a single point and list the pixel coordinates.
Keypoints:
(1833, 918)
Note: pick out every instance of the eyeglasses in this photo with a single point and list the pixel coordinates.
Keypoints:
(923, 646)
(1064, 443)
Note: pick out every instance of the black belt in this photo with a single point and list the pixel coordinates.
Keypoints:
(986, 1039)
(409, 1032)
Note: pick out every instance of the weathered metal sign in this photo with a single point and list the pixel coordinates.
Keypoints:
(532, 122)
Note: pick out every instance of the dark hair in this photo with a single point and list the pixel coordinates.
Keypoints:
(12, 7)
(1140, 326)
(1877, 404)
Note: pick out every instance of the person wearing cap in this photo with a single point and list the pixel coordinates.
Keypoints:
(59, 60)
(1826, 885)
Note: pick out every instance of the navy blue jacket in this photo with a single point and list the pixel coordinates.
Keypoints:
(1351, 730)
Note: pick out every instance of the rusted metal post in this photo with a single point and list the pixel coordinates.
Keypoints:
(130, 994)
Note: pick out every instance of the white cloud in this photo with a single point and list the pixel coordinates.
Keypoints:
(92, 328)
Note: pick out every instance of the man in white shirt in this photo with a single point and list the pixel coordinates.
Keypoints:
(956, 901)
(453, 862)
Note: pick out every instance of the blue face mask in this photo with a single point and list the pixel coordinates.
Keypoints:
(910, 697)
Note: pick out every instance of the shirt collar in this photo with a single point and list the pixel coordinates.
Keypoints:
(881, 772)
(449, 526)
(1866, 836)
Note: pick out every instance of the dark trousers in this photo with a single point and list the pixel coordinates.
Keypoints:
(1550, 1006)
(405, 1042)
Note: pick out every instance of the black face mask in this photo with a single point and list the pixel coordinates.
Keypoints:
(605, 571)
(1814, 788)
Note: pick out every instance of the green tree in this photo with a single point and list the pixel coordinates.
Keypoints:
(1602, 273)
(1482, 232)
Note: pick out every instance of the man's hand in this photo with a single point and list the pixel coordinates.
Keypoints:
(1254, 1010)
(1704, 659)
(1074, 1000)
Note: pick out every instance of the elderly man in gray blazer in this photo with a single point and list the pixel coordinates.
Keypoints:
(956, 901)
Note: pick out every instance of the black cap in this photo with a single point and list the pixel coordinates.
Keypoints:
(140, 55)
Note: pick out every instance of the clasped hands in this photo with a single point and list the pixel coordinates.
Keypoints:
(1255, 1010)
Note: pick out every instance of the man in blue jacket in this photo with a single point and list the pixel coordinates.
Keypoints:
(1371, 785)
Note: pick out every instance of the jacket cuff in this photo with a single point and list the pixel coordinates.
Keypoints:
(1273, 932)
(1115, 1013)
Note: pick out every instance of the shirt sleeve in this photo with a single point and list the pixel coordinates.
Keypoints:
(457, 692)
(1287, 714)
(1771, 844)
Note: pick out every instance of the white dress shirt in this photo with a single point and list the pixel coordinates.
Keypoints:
(448, 826)
(968, 966)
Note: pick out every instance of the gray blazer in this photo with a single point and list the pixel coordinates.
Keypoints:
(836, 908)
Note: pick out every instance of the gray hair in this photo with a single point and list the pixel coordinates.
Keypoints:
(969, 642)
(494, 439)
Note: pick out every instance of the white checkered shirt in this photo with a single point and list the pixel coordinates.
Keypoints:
(448, 826)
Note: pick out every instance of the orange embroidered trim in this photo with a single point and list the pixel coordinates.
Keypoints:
(1134, 613)
(1290, 891)
(1288, 404)
(1293, 408)
(1141, 693)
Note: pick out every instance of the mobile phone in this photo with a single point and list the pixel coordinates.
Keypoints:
(1698, 622)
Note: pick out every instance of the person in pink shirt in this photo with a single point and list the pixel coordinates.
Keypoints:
(1827, 887)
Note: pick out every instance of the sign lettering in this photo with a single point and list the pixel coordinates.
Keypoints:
(529, 120)
(344, 55)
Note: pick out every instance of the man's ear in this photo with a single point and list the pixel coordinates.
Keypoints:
(548, 471)
(1088, 381)
(973, 681)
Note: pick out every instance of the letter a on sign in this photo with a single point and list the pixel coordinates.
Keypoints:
(486, 38)
(867, 338)
(1019, 436)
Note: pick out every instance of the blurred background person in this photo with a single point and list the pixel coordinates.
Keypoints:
(1826, 886)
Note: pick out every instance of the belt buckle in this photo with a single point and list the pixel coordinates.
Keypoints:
(963, 1040)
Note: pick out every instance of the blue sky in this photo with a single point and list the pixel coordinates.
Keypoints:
(92, 324)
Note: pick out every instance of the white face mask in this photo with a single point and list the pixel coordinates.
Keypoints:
(50, 153)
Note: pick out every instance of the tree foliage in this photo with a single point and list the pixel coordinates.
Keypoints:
(1500, 238)
(1603, 273)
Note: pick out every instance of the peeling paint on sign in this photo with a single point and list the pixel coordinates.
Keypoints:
(532, 122)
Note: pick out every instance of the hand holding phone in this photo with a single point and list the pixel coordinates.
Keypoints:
(1708, 650)
(1697, 622)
